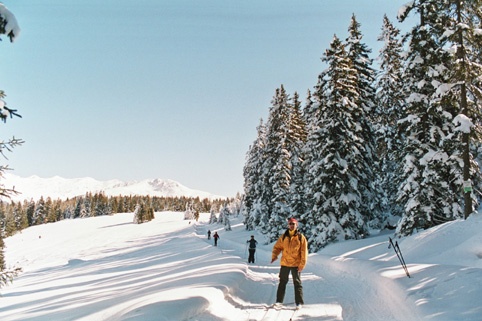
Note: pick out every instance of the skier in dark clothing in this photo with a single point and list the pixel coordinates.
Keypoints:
(252, 248)
(209, 234)
(216, 237)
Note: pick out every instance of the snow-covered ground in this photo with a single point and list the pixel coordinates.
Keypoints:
(107, 268)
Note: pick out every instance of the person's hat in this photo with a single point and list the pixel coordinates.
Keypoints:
(293, 220)
(252, 235)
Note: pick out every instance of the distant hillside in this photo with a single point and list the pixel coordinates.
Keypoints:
(34, 187)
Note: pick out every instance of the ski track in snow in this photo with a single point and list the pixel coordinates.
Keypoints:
(170, 271)
(365, 295)
(367, 300)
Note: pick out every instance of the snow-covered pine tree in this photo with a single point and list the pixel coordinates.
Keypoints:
(389, 84)
(144, 211)
(221, 215)
(189, 212)
(366, 101)
(359, 55)
(224, 217)
(86, 209)
(39, 215)
(338, 154)
(30, 211)
(78, 207)
(212, 218)
(475, 84)
(277, 166)
(20, 218)
(460, 27)
(253, 182)
(68, 212)
(236, 205)
(430, 170)
(7, 223)
(101, 204)
(309, 111)
(310, 151)
(322, 158)
(138, 212)
(296, 139)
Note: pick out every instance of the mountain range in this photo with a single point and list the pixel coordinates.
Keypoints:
(56, 187)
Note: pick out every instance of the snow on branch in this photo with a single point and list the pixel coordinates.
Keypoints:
(404, 10)
(8, 23)
(463, 123)
(6, 112)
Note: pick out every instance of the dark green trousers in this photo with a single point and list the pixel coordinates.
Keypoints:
(284, 274)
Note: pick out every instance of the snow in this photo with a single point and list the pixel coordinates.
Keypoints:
(402, 11)
(12, 25)
(464, 123)
(107, 268)
(56, 187)
(3, 111)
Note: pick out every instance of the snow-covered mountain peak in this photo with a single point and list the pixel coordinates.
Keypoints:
(34, 187)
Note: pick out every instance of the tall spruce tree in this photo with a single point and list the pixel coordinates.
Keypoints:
(366, 102)
(389, 110)
(460, 26)
(338, 154)
(277, 167)
(40, 213)
(430, 174)
(296, 139)
(253, 181)
(359, 55)
(273, 176)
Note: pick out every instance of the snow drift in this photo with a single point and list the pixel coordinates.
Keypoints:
(107, 268)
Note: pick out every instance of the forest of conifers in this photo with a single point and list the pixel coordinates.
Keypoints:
(396, 147)
(15, 216)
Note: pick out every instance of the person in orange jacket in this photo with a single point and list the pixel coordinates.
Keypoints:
(294, 248)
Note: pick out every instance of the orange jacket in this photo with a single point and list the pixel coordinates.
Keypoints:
(294, 248)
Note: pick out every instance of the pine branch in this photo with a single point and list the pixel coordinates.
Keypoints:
(7, 276)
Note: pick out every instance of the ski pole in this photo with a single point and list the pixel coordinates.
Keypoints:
(397, 250)
(401, 258)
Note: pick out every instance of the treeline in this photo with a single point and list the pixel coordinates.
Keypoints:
(16, 216)
(367, 150)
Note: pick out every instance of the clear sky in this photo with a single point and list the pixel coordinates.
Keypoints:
(145, 89)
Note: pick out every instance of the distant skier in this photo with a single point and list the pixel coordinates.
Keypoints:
(209, 234)
(252, 248)
(216, 237)
(293, 246)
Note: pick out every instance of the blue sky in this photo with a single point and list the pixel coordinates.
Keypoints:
(143, 89)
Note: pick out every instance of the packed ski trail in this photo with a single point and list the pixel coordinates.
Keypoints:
(334, 289)
(109, 269)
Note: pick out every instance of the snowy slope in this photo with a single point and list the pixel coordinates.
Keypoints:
(106, 268)
(34, 187)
